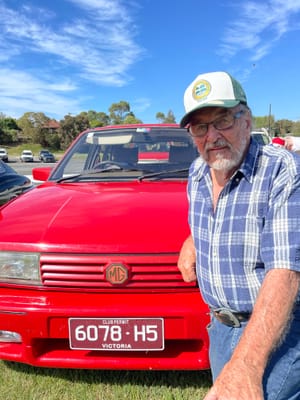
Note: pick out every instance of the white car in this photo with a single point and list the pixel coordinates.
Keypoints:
(261, 137)
(3, 155)
(26, 156)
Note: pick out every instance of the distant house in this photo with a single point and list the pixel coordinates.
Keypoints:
(51, 126)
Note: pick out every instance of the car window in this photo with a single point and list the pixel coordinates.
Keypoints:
(134, 150)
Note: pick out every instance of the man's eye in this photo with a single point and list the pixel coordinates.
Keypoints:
(223, 121)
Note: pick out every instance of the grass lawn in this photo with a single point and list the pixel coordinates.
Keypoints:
(18, 381)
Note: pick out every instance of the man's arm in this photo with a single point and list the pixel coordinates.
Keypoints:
(241, 378)
(187, 260)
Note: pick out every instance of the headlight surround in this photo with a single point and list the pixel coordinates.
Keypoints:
(20, 267)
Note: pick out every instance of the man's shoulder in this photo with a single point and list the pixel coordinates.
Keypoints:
(282, 156)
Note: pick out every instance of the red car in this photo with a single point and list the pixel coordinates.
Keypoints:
(88, 259)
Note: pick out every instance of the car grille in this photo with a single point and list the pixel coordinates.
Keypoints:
(90, 271)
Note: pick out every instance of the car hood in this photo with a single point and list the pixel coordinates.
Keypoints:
(140, 217)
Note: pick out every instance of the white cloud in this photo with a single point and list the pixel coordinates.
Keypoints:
(258, 27)
(100, 53)
(21, 92)
(95, 43)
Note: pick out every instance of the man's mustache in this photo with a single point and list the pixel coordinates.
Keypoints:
(218, 143)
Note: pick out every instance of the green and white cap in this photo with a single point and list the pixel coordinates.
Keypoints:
(213, 89)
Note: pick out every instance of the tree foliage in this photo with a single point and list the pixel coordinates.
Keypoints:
(281, 127)
(34, 126)
(266, 121)
(9, 130)
(118, 112)
(166, 119)
(70, 127)
(97, 118)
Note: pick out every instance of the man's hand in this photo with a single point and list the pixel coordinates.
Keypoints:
(236, 382)
(187, 260)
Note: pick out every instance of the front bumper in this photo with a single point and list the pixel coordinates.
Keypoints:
(41, 318)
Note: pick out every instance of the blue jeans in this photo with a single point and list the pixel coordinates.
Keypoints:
(282, 376)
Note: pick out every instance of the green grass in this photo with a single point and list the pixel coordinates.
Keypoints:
(18, 381)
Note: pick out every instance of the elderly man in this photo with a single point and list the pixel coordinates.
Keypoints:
(244, 248)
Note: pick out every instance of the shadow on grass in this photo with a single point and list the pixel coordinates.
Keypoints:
(174, 379)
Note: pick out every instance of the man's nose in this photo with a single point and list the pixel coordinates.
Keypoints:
(212, 134)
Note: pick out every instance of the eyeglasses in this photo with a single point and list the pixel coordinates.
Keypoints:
(221, 124)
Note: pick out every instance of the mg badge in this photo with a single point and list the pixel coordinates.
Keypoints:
(116, 273)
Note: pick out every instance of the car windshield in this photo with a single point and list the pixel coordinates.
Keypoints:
(128, 153)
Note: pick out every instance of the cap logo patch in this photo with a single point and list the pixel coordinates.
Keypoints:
(201, 89)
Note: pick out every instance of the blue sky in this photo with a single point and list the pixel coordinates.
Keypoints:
(62, 57)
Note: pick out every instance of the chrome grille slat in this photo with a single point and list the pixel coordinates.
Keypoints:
(88, 271)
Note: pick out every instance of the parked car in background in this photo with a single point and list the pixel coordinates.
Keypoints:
(26, 156)
(261, 137)
(12, 184)
(46, 156)
(88, 259)
(3, 155)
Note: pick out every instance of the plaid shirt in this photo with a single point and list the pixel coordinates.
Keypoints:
(254, 228)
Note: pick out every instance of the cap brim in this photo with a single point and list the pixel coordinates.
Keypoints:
(216, 103)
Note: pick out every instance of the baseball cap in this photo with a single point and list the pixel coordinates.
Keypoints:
(212, 89)
(277, 141)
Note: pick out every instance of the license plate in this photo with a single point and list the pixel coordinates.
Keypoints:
(116, 334)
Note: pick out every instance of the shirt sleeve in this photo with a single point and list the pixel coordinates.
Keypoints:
(280, 241)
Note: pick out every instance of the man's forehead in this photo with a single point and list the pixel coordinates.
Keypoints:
(209, 112)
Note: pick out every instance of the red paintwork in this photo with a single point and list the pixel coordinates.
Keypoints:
(154, 155)
(136, 223)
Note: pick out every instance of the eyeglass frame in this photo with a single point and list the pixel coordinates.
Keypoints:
(234, 116)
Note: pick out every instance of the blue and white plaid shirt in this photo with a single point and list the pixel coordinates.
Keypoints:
(254, 228)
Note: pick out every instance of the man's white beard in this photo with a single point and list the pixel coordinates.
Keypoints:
(224, 164)
(228, 164)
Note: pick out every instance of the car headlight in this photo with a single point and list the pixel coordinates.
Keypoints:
(19, 267)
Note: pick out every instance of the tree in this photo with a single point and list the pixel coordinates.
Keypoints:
(9, 130)
(283, 127)
(97, 118)
(31, 124)
(70, 127)
(296, 128)
(131, 119)
(118, 112)
(266, 122)
(166, 119)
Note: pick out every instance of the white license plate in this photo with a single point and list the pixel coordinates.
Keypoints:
(116, 334)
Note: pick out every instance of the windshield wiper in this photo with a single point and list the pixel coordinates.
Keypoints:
(163, 174)
(88, 173)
